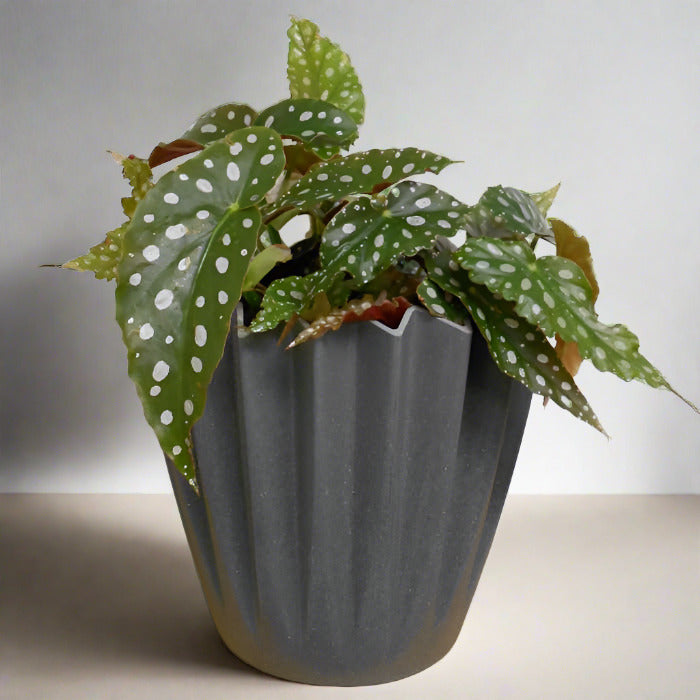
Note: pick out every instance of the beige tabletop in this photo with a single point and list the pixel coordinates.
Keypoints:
(582, 597)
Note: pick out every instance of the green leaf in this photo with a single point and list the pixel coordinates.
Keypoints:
(442, 304)
(220, 121)
(324, 129)
(262, 263)
(283, 298)
(186, 253)
(103, 258)
(361, 172)
(553, 293)
(316, 67)
(504, 212)
(519, 348)
(367, 236)
(544, 200)
(211, 126)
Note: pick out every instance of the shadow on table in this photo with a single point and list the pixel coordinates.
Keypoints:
(72, 590)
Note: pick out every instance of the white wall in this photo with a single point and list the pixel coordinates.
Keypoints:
(600, 95)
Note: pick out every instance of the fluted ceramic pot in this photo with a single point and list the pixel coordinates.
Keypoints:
(350, 490)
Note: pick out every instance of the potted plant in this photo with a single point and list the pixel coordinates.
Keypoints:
(340, 498)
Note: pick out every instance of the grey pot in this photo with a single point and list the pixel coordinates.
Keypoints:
(350, 491)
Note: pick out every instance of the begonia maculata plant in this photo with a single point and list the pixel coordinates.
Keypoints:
(206, 236)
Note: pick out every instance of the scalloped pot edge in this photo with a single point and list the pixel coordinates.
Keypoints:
(243, 331)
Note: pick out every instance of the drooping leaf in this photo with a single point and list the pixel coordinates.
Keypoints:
(262, 263)
(554, 294)
(519, 348)
(574, 246)
(571, 245)
(442, 304)
(361, 172)
(544, 200)
(367, 236)
(103, 258)
(186, 253)
(504, 212)
(324, 128)
(211, 126)
(318, 68)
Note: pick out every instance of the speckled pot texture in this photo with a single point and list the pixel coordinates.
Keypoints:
(350, 491)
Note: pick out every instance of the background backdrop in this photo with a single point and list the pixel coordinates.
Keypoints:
(600, 95)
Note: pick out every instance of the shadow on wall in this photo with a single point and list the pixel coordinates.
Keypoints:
(63, 382)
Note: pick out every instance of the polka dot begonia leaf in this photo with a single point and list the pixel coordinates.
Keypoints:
(368, 235)
(442, 304)
(318, 68)
(573, 246)
(186, 253)
(504, 212)
(324, 129)
(554, 294)
(360, 173)
(103, 258)
(220, 121)
(519, 348)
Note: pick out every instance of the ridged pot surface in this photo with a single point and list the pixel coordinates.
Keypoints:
(350, 490)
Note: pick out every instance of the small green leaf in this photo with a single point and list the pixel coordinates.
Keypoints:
(103, 258)
(262, 263)
(318, 68)
(553, 293)
(519, 348)
(442, 304)
(367, 236)
(544, 200)
(324, 129)
(504, 212)
(361, 172)
(283, 298)
(186, 253)
(220, 121)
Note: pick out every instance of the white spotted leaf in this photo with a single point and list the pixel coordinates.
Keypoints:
(442, 304)
(322, 127)
(103, 258)
(368, 235)
(504, 212)
(318, 68)
(554, 294)
(519, 348)
(220, 121)
(361, 173)
(186, 253)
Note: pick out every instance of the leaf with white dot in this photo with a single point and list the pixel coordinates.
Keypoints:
(324, 128)
(553, 293)
(318, 68)
(212, 126)
(504, 212)
(187, 251)
(103, 258)
(519, 348)
(442, 304)
(361, 173)
(368, 235)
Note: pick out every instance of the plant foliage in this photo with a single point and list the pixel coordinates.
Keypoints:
(205, 237)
